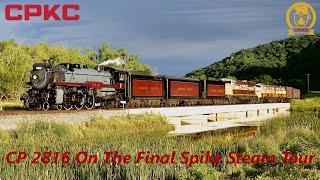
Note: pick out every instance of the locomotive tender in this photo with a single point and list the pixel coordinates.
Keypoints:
(67, 86)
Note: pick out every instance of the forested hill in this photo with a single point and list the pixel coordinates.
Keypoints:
(283, 62)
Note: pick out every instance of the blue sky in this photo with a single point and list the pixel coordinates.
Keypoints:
(173, 36)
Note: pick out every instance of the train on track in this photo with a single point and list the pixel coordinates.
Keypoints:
(71, 86)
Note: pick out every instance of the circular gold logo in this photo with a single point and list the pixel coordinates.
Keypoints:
(301, 18)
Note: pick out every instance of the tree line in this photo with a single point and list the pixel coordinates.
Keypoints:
(283, 62)
(16, 61)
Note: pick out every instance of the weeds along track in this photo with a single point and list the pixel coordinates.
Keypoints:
(21, 112)
(12, 119)
(73, 111)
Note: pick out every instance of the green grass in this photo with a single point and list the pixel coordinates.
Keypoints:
(306, 104)
(11, 104)
(131, 134)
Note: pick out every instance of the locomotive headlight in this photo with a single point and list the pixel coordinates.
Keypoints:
(38, 68)
(34, 77)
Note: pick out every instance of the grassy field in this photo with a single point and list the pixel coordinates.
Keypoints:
(11, 104)
(298, 133)
(306, 104)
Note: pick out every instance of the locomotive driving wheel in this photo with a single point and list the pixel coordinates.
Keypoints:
(89, 102)
(78, 106)
(67, 107)
(80, 101)
(46, 106)
(59, 107)
(38, 107)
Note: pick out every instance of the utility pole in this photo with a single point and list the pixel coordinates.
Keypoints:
(308, 81)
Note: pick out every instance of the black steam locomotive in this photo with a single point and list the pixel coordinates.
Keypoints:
(67, 86)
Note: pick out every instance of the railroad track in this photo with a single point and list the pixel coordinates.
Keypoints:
(55, 111)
